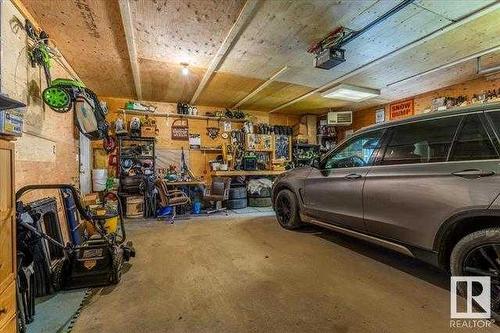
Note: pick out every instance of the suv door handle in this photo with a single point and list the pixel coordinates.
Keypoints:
(353, 176)
(473, 173)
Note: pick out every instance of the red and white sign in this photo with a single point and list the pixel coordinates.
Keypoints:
(400, 110)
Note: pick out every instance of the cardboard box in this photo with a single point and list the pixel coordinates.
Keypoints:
(148, 131)
(11, 122)
(300, 129)
(90, 199)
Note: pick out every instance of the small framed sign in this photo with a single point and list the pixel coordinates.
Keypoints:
(400, 110)
(180, 130)
(380, 116)
(194, 141)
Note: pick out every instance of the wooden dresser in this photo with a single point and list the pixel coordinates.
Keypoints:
(7, 239)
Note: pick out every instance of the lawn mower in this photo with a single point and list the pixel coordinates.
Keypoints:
(98, 258)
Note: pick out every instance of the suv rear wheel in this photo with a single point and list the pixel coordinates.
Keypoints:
(478, 254)
(287, 210)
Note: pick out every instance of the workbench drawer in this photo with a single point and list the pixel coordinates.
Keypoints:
(7, 304)
(6, 254)
(11, 327)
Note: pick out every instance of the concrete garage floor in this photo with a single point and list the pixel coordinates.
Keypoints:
(246, 274)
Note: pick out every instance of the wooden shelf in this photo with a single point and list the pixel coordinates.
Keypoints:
(248, 173)
(181, 183)
(206, 149)
(268, 150)
(176, 115)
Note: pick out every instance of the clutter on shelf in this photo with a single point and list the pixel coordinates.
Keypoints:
(446, 102)
(305, 154)
(187, 109)
(137, 106)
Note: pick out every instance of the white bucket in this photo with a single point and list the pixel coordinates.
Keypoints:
(99, 177)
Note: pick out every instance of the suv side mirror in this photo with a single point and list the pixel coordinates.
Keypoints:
(315, 163)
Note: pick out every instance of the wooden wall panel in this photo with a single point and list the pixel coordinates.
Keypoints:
(275, 94)
(198, 160)
(318, 104)
(164, 82)
(182, 30)
(48, 150)
(225, 90)
(90, 35)
(46, 132)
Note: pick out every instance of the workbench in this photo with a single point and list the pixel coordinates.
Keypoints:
(188, 183)
(233, 173)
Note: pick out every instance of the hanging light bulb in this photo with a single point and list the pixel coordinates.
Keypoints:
(185, 69)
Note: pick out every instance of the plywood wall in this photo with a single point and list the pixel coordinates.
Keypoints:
(366, 117)
(198, 160)
(47, 152)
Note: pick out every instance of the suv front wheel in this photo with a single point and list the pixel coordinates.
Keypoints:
(287, 210)
(478, 254)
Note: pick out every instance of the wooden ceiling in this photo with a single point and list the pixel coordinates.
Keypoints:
(91, 36)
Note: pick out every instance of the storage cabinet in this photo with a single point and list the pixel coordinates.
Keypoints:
(11, 327)
(7, 239)
(7, 304)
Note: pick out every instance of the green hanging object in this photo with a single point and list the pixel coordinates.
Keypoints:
(58, 96)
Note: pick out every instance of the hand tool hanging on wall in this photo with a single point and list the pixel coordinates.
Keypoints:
(212, 132)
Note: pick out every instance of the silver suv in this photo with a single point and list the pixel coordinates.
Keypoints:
(427, 186)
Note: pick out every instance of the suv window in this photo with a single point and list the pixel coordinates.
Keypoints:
(421, 142)
(473, 142)
(495, 119)
(355, 153)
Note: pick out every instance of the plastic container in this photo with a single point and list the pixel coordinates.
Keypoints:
(135, 207)
(197, 207)
(99, 179)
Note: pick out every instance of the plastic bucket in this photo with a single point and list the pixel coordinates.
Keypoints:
(99, 178)
(197, 207)
(111, 225)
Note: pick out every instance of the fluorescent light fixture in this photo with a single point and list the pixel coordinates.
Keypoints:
(350, 93)
(185, 69)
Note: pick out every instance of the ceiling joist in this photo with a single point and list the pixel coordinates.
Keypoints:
(131, 46)
(483, 11)
(261, 87)
(477, 56)
(246, 14)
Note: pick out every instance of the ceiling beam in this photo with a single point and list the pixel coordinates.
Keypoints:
(246, 14)
(262, 86)
(131, 46)
(476, 55)
(483, 11)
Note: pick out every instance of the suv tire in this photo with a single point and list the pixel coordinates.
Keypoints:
(476, 251)
(287, 210)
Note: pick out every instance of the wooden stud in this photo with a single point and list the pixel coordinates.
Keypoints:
(131, 46)
(234, 34)
(261, 87)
